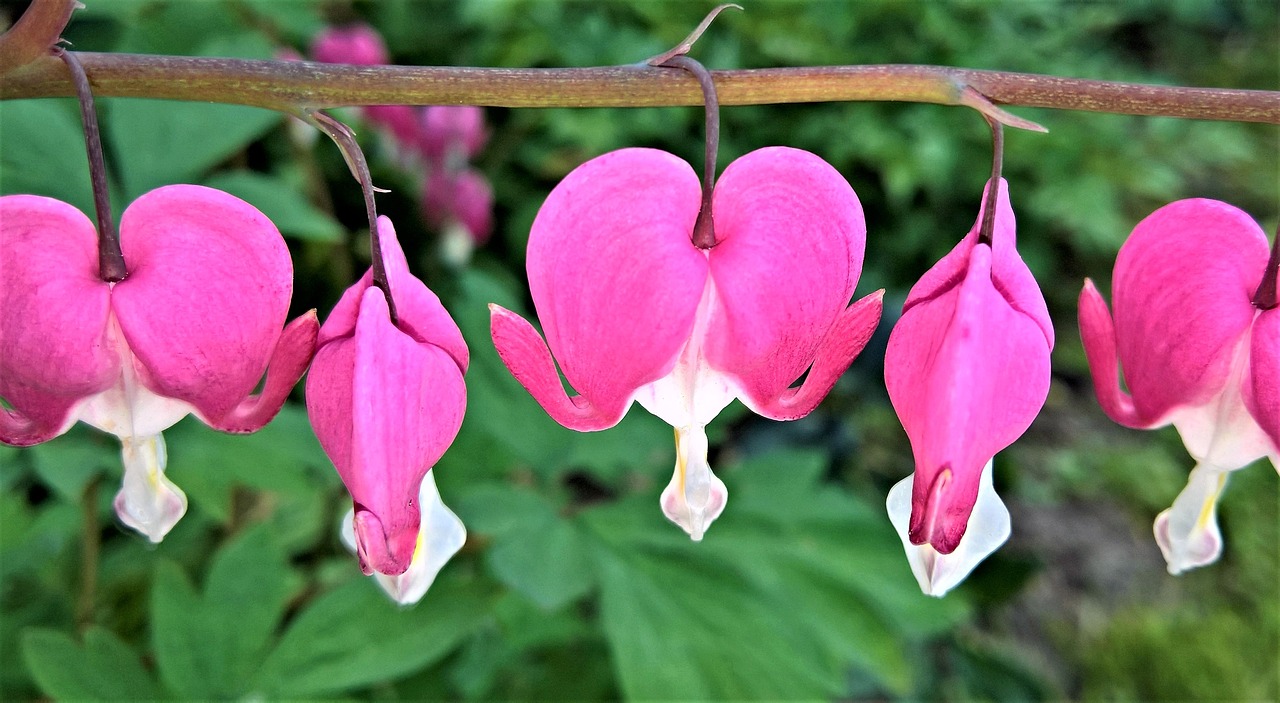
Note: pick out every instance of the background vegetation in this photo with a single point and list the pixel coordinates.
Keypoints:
(572, 585)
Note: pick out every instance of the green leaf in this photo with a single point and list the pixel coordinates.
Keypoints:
(535, 551)
(793, 587)
(283, 204)
(158, 142)
(199, 654)
(68, 464)
(103, 668)
(354, 636)
(42, 151)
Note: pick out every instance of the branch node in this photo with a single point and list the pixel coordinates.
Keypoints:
(685, 45)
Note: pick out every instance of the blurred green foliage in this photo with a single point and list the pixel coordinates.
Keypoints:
(572, 585)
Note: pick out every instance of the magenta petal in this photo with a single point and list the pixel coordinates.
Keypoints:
(844, 341)
(328, 395)
(421, 314)
(1262, 387)
(614, 277)
(54, 310)
(207, 293)
(790, 239)
(292, 355)
(1181, 297)
(1098, 334)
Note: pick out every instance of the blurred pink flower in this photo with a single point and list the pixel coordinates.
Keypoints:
(967, 369)
(463, 198)
(452, 134)
(386, 400)
(358, 44)
(1196, 352)
(190, 330)
(632, 310)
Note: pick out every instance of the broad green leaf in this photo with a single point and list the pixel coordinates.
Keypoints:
(354, 636)
(42, 151)
(159, 142)
(70, 462)
(103, 668)
(283, 204)
(198, 654)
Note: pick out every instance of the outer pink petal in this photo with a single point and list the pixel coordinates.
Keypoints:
(207, 294)
(289, 361)
(328, 396)
(1182, 298)
(790, 239)
(408, 400)
(54, 310)
(1098, 333)
(615, 280)
(1262, 387)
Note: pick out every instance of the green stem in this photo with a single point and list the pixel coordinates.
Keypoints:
(35, 33)
(287, 86)
(91, 537)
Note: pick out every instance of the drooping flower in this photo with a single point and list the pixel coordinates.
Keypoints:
(452, 134)
(632, 310)
(386, 400)
(967, 369)
(358, 44)
(1196, 352)
(459, 199)
(190, 330)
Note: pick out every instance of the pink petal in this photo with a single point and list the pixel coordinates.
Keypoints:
(289, 361)
(1098, 334)
(790, 239)
(615, 280)
(1181, 295)
(385, 407)
(54, 311)
(207, 294)
(967, 369)
(1262, 387)
(452, 132)
(358, 44)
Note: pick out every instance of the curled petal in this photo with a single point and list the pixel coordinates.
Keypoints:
(787, 217)
(614, 277)
(54, 313)
(148, 501)
(1188, 532)
(1181, 295)
(696, 496)
(440, 536)
(988, 528)
(292, 355)
(1098, 333)
(207, 294)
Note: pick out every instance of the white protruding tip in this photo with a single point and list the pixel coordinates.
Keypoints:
(1187, 531)
(148, 502)
(696, 496)
(440, 535)
(989, 527)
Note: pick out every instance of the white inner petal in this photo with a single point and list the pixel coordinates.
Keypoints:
(989, 527)
(440, 536)
(1221, 433)
(1188, 532)
(687, 399)
(148, 501)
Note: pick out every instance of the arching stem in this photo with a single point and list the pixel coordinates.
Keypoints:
(993, 188)
(342, 135)
(704, 235)
(111, 266)
(1266, 296)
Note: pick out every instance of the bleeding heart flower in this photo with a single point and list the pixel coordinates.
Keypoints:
(632, 310)
(459, 203)
(386, 400)
(967, 369)
(1197, 353)
(190, 330)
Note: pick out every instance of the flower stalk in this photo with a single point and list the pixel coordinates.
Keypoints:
(1266, 298)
